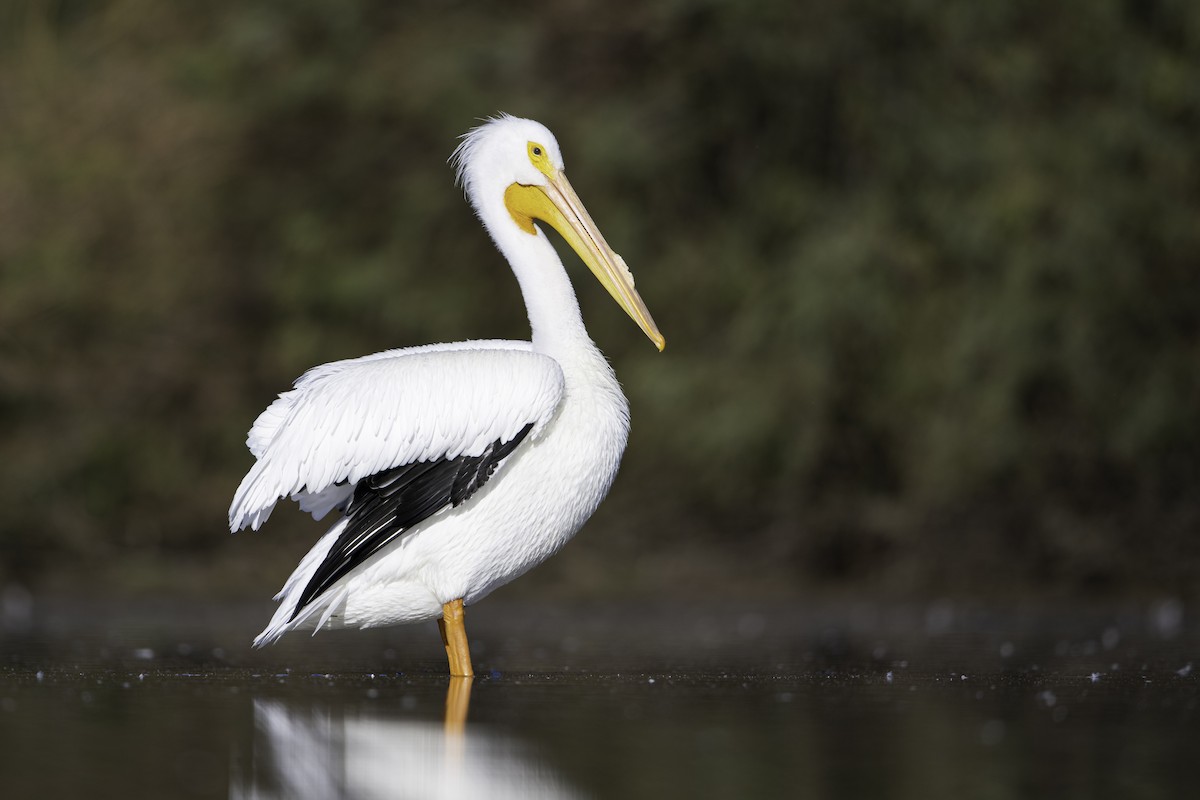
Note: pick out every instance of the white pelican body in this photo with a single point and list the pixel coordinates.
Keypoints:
(455, 467)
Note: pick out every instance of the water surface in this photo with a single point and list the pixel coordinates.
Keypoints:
(861, 700)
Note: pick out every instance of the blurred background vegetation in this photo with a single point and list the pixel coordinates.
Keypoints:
(927, 271)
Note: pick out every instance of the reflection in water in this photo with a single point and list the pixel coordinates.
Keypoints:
(458, 700)
(303, 750)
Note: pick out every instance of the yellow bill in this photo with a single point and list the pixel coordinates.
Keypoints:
(559, 206)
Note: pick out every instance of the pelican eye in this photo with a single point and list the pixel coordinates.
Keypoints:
(540, 158)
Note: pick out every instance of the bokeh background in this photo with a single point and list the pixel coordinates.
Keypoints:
(928, 274)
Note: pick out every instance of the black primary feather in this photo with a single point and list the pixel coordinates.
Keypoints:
(391, 501)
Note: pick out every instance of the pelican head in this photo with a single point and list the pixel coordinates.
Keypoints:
(518, 162)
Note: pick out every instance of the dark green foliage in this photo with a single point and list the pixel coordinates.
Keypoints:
(927, 272)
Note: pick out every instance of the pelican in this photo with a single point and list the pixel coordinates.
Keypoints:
(454, 468)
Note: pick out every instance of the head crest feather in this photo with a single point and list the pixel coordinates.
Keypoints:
(468, 144)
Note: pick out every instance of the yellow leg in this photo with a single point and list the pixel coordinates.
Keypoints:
(454, 636)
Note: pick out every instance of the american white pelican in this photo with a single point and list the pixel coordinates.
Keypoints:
(454, 468)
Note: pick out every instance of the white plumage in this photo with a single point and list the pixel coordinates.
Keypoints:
(453, 411)
(341, 423)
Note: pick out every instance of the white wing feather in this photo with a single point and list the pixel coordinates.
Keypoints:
(349, 419)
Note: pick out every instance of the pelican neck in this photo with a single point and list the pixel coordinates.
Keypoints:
(555, 321)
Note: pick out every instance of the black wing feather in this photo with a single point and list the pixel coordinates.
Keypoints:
(391, 501)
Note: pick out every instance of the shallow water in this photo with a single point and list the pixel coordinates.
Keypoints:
(934, 700)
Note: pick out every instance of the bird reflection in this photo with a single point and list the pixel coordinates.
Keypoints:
(458, 699)
(302, 750)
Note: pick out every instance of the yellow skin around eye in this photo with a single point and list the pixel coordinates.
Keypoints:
(539, 158)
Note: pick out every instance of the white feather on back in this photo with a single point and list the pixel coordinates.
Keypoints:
(349, 419)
